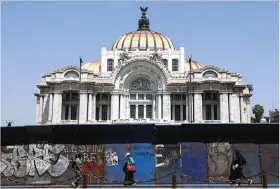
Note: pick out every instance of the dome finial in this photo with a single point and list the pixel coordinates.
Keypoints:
(143, 23)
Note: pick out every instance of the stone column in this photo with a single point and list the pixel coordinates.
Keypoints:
(181, 112)
(37, 109)
(173, 112)
(136, 112)
(242, 117)
(114, 106)
(122, 104)
(90, 106)
(224, 109)
(198, 107)
(100, 112)
(190, 107)
(145, 113)
(159, 106)
(154, 107)
(248, 110)
(94, 106)
(187, 107)
(166, 106)
(83, 107)
(45, 110)
(57, 107)
(234, 108)
(41, 109)
(127, 107)
(50, 108)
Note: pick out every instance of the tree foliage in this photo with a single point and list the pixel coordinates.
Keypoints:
(253, 120)
(250, 88)
(258, 112)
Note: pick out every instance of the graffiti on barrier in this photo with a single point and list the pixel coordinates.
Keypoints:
(33, 160)
(166, 156)
(219, 159)
(111, 158)
(90, 152)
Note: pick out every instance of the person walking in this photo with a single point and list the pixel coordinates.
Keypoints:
(236, 170)
(129, 169)
(77, 165)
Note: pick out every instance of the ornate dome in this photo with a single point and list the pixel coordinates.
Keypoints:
(195, 65)
(143, 38)
(92, 66)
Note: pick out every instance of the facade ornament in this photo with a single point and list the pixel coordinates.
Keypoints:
(124, 57)
(156, 57)
(144, 23)
(121, 85)
(141, 84)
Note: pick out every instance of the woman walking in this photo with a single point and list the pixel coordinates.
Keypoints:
(236, 170)
(77, 165)
(129, 169)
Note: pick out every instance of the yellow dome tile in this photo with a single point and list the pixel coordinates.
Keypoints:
(143, 40)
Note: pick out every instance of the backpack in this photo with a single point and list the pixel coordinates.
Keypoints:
(131, 160)
(73, 163)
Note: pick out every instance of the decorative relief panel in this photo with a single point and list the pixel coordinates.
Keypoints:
(141, 84)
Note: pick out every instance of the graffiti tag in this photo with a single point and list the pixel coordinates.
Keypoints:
(33, 158)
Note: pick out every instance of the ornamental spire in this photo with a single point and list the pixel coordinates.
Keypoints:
(143, 23)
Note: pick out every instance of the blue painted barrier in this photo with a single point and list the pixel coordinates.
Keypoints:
(194, 162)
(143, 155)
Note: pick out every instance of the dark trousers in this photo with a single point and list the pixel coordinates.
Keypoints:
(78, 177)
(129, 178)
(237, 175)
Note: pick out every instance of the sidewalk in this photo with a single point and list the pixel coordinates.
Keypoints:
(189, 186)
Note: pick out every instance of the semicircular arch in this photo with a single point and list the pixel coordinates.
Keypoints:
(148, 81)
(150, 69)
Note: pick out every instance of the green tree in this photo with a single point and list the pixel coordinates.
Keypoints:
(258, 112)
(253, 120)
(250, 88)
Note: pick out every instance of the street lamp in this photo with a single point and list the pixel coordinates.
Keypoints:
(80, 81)
(190, 89)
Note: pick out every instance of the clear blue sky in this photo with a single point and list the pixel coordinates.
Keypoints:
(39, 37)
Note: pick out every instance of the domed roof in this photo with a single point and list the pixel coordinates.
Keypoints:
(92, 66)
(195, 65)
(143, 38)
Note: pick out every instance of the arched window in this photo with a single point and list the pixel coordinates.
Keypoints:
(71, 74)
(165, 62)
(175, 66)
(110, 63)
(210, 74)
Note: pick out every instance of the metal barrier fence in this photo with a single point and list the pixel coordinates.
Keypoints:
(190, 163)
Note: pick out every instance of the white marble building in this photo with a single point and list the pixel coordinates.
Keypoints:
(142, 78)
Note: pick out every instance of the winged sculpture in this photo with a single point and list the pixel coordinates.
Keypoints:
(144, 9)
